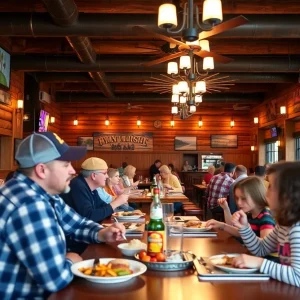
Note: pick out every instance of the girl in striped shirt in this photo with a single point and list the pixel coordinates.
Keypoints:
(283, 196)
(250, 198)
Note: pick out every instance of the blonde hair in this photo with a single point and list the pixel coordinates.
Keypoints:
(165, 169)
(211, 169)
(129, 170)
(255, 188)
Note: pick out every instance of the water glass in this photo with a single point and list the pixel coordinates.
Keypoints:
(141, 179)
(146, 180)
(168, 211)
(173, 240)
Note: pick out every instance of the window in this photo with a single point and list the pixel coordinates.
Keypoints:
(271, 152)
(297, 148)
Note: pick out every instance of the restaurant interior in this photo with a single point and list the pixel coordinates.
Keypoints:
(98, 73)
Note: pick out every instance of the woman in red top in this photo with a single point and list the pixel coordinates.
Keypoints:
(209, 174)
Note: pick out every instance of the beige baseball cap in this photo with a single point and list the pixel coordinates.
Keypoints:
(93, 164)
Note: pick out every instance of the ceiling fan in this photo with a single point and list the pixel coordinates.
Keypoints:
(187, 47)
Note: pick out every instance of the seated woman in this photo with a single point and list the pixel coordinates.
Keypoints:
(127, 178)
(187, 167)
(250, 197)
(173, 171)
(171, 182)
(210, 173)
(113, 188)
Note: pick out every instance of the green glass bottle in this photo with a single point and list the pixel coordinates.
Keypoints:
(156, 227)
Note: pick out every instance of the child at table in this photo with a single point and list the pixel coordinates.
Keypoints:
(283, 197)
(250, 198)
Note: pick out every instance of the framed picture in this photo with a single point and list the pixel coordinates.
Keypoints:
(87, 141)
(184, 143)
(223, 141)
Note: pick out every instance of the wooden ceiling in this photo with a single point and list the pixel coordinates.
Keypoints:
(96, 55)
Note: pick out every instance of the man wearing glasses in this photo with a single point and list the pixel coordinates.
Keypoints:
(84, 198)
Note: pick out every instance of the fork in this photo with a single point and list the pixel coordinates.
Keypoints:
(204, 264)
(96, 262)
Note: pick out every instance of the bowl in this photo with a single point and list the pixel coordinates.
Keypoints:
(131, 251)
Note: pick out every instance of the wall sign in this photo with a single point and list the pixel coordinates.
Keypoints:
(5, 97)
(123, 141)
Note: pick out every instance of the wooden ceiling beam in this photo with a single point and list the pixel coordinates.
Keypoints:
(151, 7)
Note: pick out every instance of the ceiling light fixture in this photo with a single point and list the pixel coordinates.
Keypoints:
(191, 27)
(106, 121)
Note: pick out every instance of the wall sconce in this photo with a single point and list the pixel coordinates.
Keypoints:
(52, 120)
(172, 123)
(20, 104)
(200, 122)
(252, 148)
(138, 122)
(26, 117)
(277, 143)
(75, 122)
(232, 122)
(255, 120)
(106, 121)
(282, 110)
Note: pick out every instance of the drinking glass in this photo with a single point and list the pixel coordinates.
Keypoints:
(168, 211)
(146, 180)
(173, 240)
(141, 179)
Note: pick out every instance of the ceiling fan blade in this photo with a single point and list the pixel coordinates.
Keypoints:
(217, 57)
(143, 30)
(232, 23)
(163, 59)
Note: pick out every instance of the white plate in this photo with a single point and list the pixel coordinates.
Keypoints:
(229, 269)
(120, 217)
(137, 268)
(194, 229)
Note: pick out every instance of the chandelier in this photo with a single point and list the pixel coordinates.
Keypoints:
(191, 26)
(188, 84)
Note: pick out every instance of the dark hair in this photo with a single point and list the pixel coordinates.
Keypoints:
(254, 187)
(10, 175)
(287, 181)
(171, 166)
(124, 164)
(229, 167)
(260, 171)
(157, 161)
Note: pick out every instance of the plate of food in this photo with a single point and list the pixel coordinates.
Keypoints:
(224, 262)
(128, 215)
(180, 262)
(108, 270)
(195, 226)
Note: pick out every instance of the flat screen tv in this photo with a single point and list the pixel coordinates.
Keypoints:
(4, 69)
(43, 121)
(274, 131)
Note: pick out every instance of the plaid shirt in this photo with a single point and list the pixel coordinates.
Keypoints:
(33, 225)
(218, 187)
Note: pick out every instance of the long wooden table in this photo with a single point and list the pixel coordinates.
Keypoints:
(177, 285)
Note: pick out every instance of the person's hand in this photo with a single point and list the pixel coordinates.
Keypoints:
(74, 257)
(112, 233)
(120, 200)
(135, 184)
(247, 261)
(223, 203)
(214, 224)
(239, 219)
(169, 187)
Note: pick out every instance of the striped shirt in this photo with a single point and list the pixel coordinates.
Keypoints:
(263, 221)
(218, 187)
(285, 240)
(33, 225)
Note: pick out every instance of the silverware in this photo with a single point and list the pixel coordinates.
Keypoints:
(123, 235)
(202, 262)
(96, 262)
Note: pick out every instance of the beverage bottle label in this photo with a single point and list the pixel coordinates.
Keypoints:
(156, 213)
(155, 241)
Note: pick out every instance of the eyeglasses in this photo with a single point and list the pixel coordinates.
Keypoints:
(103, 173)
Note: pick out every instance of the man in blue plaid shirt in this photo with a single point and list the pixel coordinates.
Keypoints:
(34, 220)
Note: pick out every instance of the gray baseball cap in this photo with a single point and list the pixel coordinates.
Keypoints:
(44, 147)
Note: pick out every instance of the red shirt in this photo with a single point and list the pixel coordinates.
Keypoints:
(207, 177)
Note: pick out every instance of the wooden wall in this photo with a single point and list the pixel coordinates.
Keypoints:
(11, 120)
(91, 119)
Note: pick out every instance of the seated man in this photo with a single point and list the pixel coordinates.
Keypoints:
(84, 197)
(35, 220)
